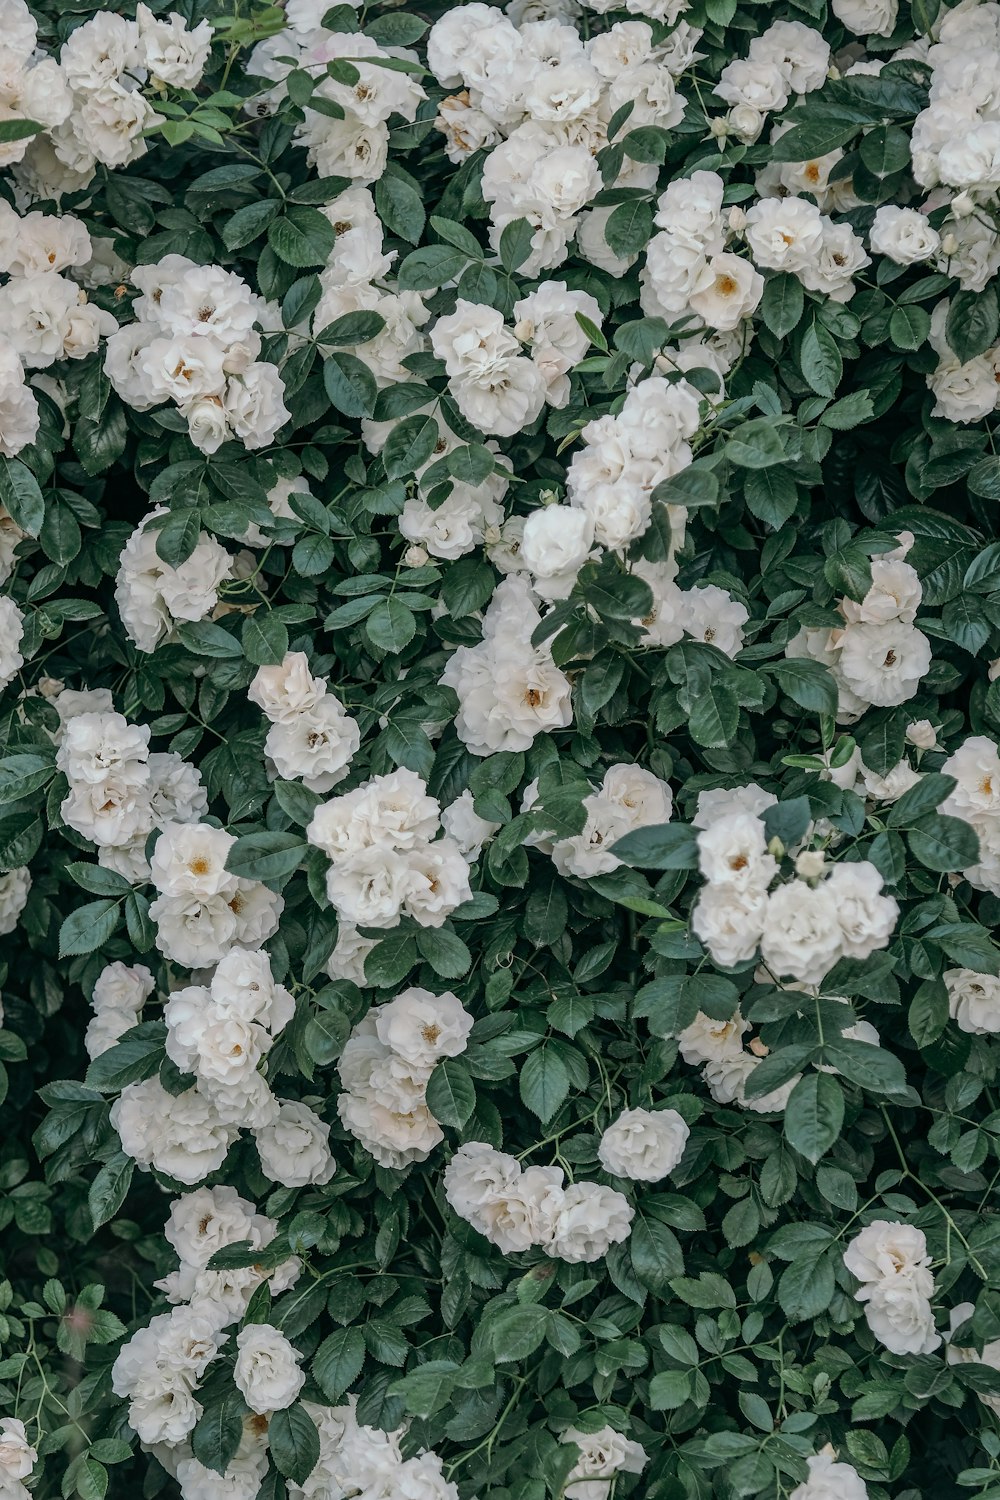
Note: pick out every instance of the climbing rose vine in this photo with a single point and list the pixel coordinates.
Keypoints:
(499, 779)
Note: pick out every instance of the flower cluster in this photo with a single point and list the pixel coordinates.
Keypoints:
(367, 1460)
(518, 1209)
(878, 657)
(804, 925)
(311, 736)
(386, 858)
(385, 1068)
(892, 1263)
(194, 342)
(542, 98)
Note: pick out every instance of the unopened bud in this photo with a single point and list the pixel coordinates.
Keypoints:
(810, 864)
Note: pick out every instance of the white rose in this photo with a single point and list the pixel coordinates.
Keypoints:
(867, 17)
(732, 294)
(884, 1249)
(557, 540)
(883, 664)
(586, 1221)
(729, 921)
(266, 1373)
(830, 1480)
(973, 1000)
(903, 234)
(801, 935)
(643, 1144)
(733, 852)
(866, 917)
(294, 1150)
(899, 1313)
(17, 1457)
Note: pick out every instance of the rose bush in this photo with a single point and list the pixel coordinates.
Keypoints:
(500, 781)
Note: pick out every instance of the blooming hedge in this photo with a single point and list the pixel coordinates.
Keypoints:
(500, 787)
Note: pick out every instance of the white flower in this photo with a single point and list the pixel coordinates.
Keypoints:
(730, 921)
(202, 1222)
(266, 1373)
(956, 1354)
(14, 888)
(586, 1221)
(733, 852)
(602, 1455)
(883, 664)
(557, 541)
(11, 632)
(903, 234)
(730, 292)
(173, 54)
(866, 917)
(422, 1028)
(801, 936)
(178, 1134)
(867, 17)
(922, 735)
(466, 828)
(17, 1457)
(294, 1149)
(886, 1249)
(830, 1480)
(974, 1000)
(643, 1144)
(190, 860)
(899, 1313)
(707, 1040)
(784, 234)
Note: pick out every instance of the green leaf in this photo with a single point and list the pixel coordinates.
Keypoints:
(451, 1093)
(108, 1189)
(518, 1332)
(807, 683)
(922, 798)
(264, 639)
(820, 360)
(391, 625)
(293, 1442)
(244, 226)
(814, 1115)
(18, 130)
(870, 1067)
(670, 1389)
(929, 1012)
(338, 1362)
(544, 1082)
(662, 846)
(409, 446)
(20, 494)
(973, 322)
(714, 716)
(430, 267)
(22, 774)
(89, 927)
(782, 304)
(218, 1431)
(266, 856)
(137, 1056)
(399, 203)
(656, 1254)
(515, 244)
(302, 237)
(350, 385)
(943, 843)
(629, 227)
